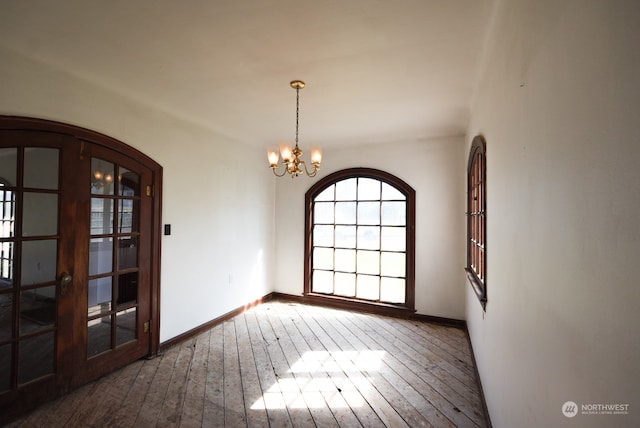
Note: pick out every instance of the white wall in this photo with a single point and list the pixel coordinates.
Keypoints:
(558, 105)
(432, 169)
(220, 252)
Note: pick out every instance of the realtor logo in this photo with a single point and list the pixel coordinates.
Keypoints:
(569, 409)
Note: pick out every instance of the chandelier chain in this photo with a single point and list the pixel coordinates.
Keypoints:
(292, 160)
(297, 112)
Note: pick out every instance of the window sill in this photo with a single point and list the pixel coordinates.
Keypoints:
(359, 305)
(479, 288)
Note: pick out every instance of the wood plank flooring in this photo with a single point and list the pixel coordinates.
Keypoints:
(284, 364)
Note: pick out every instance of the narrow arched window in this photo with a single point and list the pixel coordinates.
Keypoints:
(477, 219)
(360, 238)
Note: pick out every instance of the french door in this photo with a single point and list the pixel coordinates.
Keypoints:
(76, 263)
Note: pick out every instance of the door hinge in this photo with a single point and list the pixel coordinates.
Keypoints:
(150, 190)
(146, 328)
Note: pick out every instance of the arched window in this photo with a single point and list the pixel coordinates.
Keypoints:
(477, 219)
(360, 239)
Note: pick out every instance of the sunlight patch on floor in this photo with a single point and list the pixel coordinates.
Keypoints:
(320, 379)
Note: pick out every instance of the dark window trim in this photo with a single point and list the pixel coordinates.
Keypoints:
(390, 179)
(477, 209)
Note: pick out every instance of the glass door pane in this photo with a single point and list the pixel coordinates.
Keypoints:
(39, 243)
(29, 244)
(112, 306)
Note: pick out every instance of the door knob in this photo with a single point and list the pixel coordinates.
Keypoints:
(65, 281)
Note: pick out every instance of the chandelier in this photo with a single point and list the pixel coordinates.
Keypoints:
(292, 158)
(101, 179)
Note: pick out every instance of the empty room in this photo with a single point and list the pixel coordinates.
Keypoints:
(319, 213)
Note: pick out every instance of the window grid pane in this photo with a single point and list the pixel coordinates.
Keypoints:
(346, 190)
(327, 194)
(368, 189)
(390, 193)
(345, 236)
(323, 235)
(345, 284)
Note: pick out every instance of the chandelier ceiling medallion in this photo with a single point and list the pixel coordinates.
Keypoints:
(292, 158)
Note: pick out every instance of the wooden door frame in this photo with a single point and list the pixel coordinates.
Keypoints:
(19, 123)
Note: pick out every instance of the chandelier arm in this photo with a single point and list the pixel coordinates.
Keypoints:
(306, 170)
(274, 168)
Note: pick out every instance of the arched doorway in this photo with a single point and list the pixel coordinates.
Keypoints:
(80, 242)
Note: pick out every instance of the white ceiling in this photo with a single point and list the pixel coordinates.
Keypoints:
(376, 70)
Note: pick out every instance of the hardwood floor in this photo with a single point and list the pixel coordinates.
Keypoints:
(286, 364)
